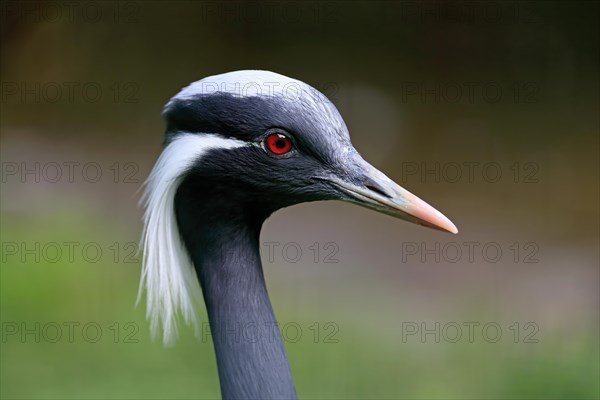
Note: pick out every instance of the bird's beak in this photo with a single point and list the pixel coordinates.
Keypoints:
(372, 189)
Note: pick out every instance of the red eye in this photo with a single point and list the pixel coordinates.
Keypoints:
(278, 144)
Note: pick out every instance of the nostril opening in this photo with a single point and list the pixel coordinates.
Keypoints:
(377, 190)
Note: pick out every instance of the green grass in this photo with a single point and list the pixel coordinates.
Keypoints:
(365, 362)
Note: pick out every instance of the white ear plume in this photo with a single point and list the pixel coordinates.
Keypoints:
(168, 275)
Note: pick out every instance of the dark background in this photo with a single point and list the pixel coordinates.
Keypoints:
(487, 110)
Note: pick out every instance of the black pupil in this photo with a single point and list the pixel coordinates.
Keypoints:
(280, 143)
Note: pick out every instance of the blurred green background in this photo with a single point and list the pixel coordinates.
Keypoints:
(426, 88)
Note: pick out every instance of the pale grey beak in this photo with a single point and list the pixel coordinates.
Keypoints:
(372, 189)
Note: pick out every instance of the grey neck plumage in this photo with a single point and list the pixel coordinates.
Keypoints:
(220, 225)
(250, 354)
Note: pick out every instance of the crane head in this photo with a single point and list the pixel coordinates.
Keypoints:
(238, 147)
(272, 141)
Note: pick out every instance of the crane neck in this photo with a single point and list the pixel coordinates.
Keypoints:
(251, 357)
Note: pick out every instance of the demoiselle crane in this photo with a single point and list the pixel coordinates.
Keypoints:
(238, 147)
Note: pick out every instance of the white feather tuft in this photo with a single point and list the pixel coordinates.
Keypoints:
(168, 275)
